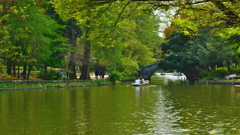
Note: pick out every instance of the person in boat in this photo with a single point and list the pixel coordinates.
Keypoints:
(137, 81)
(141, 80)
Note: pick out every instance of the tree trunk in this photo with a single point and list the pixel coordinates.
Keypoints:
(18, 70)
(23, 74)
(45, 72)
(229, 68)
(73, 58)
(29, 70)
(9, 67)
(72, 66)
(14, 68)
(85, 74)
(24, 68)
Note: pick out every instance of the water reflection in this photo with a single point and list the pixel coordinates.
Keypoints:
(163, 119)
(164, 107)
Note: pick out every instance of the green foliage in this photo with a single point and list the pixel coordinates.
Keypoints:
(100, 81)
(28, 36)
(53, 75)
(183, 53)
(132, 37)
(131, 43)
(213, 51)
(221, 72)
(177, 54)
(208, 74)
(2, 69)
(209, 78)
(235, 70)
(55, 84)
(211, 43)
(115, 76)
(204, 73)
(124, 77)
(128, 66)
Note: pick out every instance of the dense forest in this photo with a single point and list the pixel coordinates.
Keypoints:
(117, 36)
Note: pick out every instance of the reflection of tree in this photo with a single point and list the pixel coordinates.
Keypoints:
(88, 111)
(204, 109)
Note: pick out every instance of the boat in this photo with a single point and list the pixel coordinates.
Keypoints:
(145, 83)
(237, 87)
(177, 74)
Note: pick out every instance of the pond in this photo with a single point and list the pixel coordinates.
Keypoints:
(164, 107)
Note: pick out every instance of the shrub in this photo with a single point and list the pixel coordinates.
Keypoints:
(211, 73)
(235, 70)
(204, 73)
(208, 78)
(34, 68)
(221, 72)
(115, 76)
(98, 81)
(125, 77)
(53, 75)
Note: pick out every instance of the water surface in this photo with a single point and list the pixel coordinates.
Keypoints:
(164, 107)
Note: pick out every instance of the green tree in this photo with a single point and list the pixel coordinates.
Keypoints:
(111, 33)
(28, 34)
(191, 55)
(13, 29)
(178, 55)
(213, 52)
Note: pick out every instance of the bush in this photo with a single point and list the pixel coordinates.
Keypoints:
(99, 81)
(221, 72)
(34, 68)
(115, 76)
(124, 77)
(208, 78)
(235, 70)
(204, 73)
(53, 75)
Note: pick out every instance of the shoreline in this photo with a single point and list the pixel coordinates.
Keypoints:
(57, 86)
(60, 85)
(206, 82)
(220, 83)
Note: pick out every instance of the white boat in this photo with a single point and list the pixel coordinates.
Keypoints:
(238, 87)
(145, 83)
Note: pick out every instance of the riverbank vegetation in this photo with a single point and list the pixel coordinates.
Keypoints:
(203, 41)
(117, 37)
(42, 84)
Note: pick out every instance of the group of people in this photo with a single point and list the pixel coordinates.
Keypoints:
(139, 81)
(23, 76)
(63, 75)
(100, 73)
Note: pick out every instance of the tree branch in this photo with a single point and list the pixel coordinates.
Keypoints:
(233, 16)
(119, 16)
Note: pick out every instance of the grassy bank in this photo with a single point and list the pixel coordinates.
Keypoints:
(46, 85)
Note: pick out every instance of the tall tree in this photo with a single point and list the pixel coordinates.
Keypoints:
(110, 26)
(73, 32)
(30, 32)
(13, 16)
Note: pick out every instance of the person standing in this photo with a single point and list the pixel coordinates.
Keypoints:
(23, 76)
(102, 73)
(96, 74)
